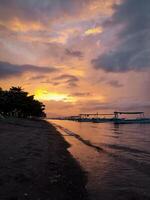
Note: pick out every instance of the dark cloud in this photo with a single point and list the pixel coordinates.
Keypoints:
(39, 10)
(66, 76)
(71, 80)
(10, 70)
(49, 81)
(57, 53)
(113, 83)
(38, 77)
(132, 49)
(77, 54)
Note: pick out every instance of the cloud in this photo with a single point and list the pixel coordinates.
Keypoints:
(77, 54)
(81, 94)
(12, 70)
(111, 82)
(115, 83)
(40, 10)
(94, 31)
(68, 79)
(131, 50)
(38, 77)
(71, 80)
(124, 105)
(52, 108)
(45, 11)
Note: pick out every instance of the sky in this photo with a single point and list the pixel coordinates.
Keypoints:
(78, 56)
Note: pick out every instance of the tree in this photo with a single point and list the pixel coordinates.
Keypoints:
(18, 103)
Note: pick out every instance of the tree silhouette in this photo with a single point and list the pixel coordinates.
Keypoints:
(17, 103)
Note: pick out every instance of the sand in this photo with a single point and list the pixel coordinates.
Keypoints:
(35, 163)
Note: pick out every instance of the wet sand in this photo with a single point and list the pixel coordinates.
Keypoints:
(36, 165)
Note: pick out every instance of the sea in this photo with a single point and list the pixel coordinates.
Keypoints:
(115, 158)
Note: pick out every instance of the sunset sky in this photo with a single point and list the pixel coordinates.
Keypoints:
(77, 56)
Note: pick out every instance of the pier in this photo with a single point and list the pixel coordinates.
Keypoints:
(110, 117)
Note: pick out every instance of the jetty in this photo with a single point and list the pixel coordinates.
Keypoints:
(115, 117)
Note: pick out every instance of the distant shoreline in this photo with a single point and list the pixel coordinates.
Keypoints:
(35, 163)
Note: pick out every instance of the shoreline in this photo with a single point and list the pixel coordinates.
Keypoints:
(36, 164)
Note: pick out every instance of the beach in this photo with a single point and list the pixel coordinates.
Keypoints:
(35, 163)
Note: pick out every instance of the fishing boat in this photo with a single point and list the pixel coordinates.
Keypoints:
(141, 119)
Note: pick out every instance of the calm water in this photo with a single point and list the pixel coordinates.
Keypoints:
(116, 158)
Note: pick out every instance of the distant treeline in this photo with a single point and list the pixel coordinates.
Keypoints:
(16, 102)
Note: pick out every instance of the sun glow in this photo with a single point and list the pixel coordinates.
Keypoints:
(94, 31)
(52, 96)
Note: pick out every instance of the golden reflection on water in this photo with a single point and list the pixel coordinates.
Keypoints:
(124, 162)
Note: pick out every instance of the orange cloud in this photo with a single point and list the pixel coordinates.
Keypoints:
(21, 26)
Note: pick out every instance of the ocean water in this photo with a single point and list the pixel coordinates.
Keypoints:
(116, 158)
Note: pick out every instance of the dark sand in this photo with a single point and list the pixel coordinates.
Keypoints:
(36, 165)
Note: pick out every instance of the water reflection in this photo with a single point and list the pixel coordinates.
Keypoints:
(116, 157)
